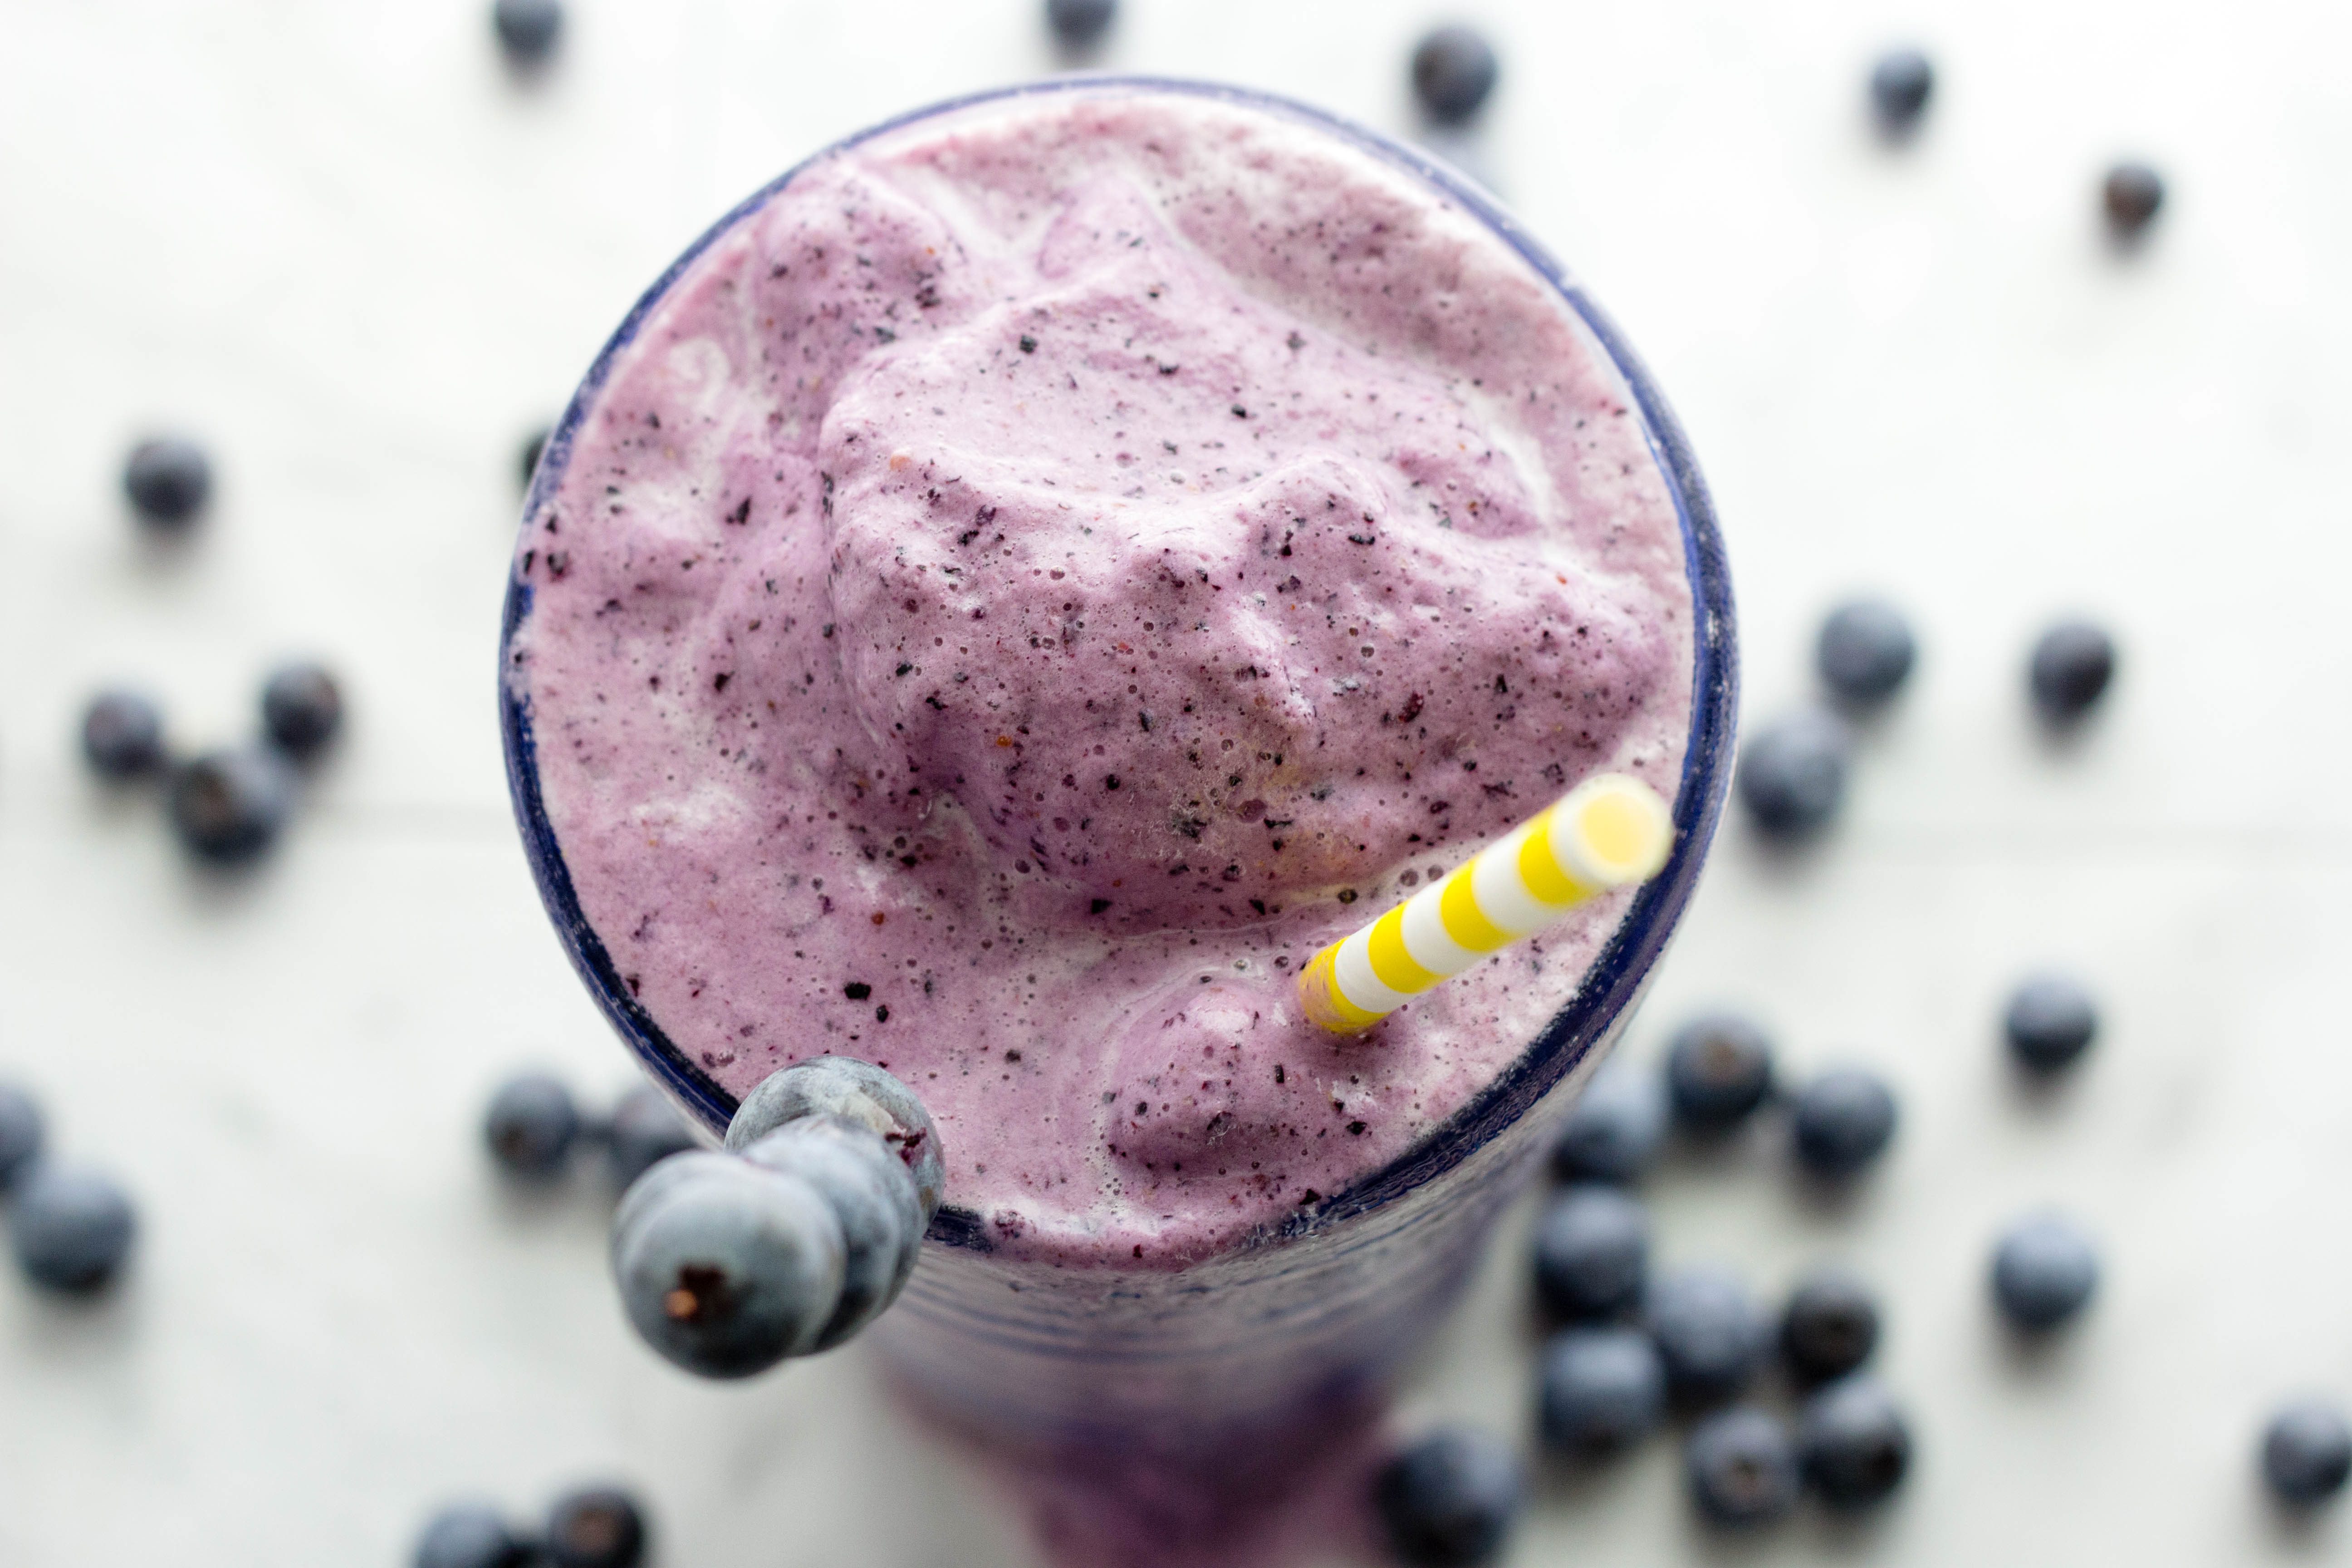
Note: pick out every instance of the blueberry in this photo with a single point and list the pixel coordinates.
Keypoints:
(122, 735)
(528, 30)
(531, 1126)
(2044, 1271)
(1718, 1070)
(1614, 1131)
(23, 1130)
(857, 1091)
(596, 1526)
(1078, 23)
(534, 448)
(2307, 1453)
(727, 1267)
(644, 1130)
(1841, 1122)
(1853, 1444)
(1742, 1468)
(873, 1197)
(72, 1227)
(1710, 1336)
(1865, 652)
(2131, 194)
(1793, 773)
(1900, 85)
(1450, 1499)
(1603, 1389)
(1593, 1251)
(471, 1535)
(2072, 665)
(302, 710)
(229, 807)
(1829, 1327)
(168, 479)
(1453, 72)
(2051, 1021)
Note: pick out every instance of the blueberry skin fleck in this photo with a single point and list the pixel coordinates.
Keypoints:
(1742, 1468)
(1853, 1444)
(857, 1091)
(1841, 1121)
(168, 479)
(1450, 1499)
(1591, 1253)
(229, 807)
(2131, 196)
(1792, 773)
(1455, 69)
(71, 1228)
(873, 1197)
(726, 1268)
(1603, 1390)
(2072, 666)
(302, 710)
(2044, 1271)
(528, 30)
(1829, 1327)
(122, 735)
(1901, 83)
(1718, 1071)
(644, 1130)
(1865, 652)
(23, 1132)
(1078, 23)
(1614, 1131)
(1710, 1336)
(534, 448)
(531, 1126)
(596, 1526)
(470, 1535)
(2051, 1022)
(2307, 1453)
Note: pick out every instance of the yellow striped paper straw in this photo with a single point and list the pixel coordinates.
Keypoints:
(1606, 833)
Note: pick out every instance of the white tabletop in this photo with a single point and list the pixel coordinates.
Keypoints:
(340, 246)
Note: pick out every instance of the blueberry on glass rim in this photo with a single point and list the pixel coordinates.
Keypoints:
(1455, 69)
(1901, 83)
(1449, 1499)
(1793, 773)
(122, 735)
(528, 30)
(168, 478)
(301, 708)
(1718, 1071)
(1865, 652)
(1841, 1122)
(596, 1527)
(229, 807)
(1742, 1468)
(2307, 1452)
(2051, 1021)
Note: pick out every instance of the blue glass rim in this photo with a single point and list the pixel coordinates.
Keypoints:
(1611, 985)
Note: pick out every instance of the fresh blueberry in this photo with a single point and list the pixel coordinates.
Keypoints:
(2051, 1021)
(1793, 773)
(2072, 665)
(1853, 1444)
(1603, 1389)
(2131, 194)
(2044, 1271)
(873, 1197)
(1614, 1131)
(531, 1126)
(1593, 1251)
(1841, 1122)
(1718, 1070)
(72, 1227)
(168, 479)
(1865, 652)
(229, 807)
(727, 1267)
(1742, 1468)
(302, 710)
(23, 1130)
(2307, 1453)
(1078, 23)
(1450, 1499)
(1900, 85)
(1709, 1334)
(856, 1091)
(596, 1526)
(1453, 73)
(1829, 1327)
(644, 1130)
(534, 448)
(528, 30)
(122, 735)
(471, 1535)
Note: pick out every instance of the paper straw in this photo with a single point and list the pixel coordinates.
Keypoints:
(1605, 833)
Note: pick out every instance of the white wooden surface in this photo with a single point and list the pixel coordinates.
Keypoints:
(337, 244)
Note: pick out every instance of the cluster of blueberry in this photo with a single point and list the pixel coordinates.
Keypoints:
(534, 1126)
(593, 1527)
(70, 1227)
